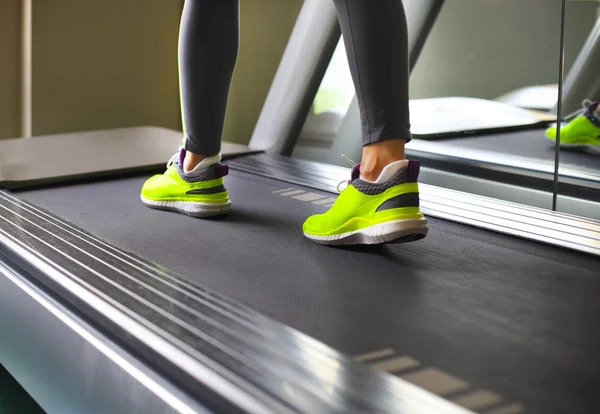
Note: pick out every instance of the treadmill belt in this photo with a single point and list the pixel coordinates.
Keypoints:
(530, 144)
(498, 313)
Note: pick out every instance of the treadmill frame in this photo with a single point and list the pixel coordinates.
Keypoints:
(50, 262)
(583, 80)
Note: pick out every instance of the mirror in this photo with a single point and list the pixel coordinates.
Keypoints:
(579, 155)
(483, 91)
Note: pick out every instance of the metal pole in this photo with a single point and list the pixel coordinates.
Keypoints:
(583, 80)
(561, 70)
(26, 69)
(421, 15)
(298, 78)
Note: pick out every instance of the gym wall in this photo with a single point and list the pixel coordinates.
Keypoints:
(266, 26)
(9, 68)
(112, 63)
(478, 48)
(104, 64)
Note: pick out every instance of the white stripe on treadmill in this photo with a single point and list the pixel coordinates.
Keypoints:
(326, 201)
(509, 409)
(291, 193)
(308, 197)
(393, 365)
(477, 400)
(374, 355)
(281, 191)
(436, 381)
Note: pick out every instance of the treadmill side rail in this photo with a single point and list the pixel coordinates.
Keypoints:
(67, 365)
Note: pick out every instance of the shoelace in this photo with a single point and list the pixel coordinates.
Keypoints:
(174, 158)
(347, 182)
(584, 107)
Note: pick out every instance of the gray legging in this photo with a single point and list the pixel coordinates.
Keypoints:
(375, 36)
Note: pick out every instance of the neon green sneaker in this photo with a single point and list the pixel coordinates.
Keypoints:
(200, 193)
(371, 213)
(582, 132)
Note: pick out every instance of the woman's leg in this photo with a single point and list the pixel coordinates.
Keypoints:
(194, 183)
(381, 202)
(376, 39)
(208, 50)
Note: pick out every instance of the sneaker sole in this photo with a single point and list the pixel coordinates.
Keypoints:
(397, 231)
(190, 208)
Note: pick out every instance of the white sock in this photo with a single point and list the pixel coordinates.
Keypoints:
(388, 172)
(204, 164)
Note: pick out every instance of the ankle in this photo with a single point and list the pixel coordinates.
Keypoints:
(192, 160)
(376, 156)
(370, 171)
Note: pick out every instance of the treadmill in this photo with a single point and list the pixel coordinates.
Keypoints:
(109, 306)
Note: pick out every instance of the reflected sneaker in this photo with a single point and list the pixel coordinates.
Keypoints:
(383, 211)
(582, 132)
(198, 193)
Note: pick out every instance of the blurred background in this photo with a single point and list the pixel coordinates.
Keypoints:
(111, 63)
(107, 64)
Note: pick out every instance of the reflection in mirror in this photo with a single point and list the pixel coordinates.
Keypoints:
(579, 139)
(483, 91)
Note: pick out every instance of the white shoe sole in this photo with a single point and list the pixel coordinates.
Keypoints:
(190, 208)
(397, 231)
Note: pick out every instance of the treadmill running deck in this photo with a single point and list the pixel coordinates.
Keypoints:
(497, 313)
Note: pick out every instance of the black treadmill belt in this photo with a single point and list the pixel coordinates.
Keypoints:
(529, 144)
(503, 314)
